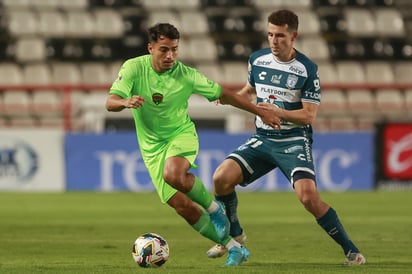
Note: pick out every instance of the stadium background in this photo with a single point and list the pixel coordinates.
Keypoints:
(58, 59)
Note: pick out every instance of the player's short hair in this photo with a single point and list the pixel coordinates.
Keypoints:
(163, 29)
(284, 17)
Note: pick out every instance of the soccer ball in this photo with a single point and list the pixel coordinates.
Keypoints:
(150, 250)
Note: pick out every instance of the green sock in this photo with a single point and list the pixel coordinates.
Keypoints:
(199, 194)
(206, 228)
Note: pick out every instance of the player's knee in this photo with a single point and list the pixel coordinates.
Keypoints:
(221, 181)
(176, 180)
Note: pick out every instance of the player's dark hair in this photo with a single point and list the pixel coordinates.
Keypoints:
(163, 29)
(284, 17)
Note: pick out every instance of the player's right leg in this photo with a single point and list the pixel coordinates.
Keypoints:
(242, 167)
(195, 216)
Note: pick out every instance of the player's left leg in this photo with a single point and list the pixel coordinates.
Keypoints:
(242, 167)
(326, 216)
(180, 156)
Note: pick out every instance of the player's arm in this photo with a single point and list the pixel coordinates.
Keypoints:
(304, 116)
(116, 103)
(242, 100)
(248, 92)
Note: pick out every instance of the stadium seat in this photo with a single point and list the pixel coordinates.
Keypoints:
(315, 42)
(185, 4)
(16, 102)
(360, 22)
(52, 23)
(94, 73)
(402, 71)
(157, 5)
(47, 103)
(350, 72)
(65, 73)
(327, 73)
(113, 69)
(379, 72)
(366, 123)
(11, 74)
(212, 70)
(22, 23)
(309, 24)
(24, 122)
(15, 4)
(160, 16)
(343, 123)
(235, 72)
(108, 24)
(51, 122)
(80, 24)
(74, 5)
(274, 4)
(333, 102)
(193, 23)
(389, 22)
(361, 102)
(207, 46)
(390, 103)
(408, 98)
(321, 124)
(31, 50)
(37, 74)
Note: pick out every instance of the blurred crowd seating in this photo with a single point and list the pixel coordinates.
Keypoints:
(363, 49)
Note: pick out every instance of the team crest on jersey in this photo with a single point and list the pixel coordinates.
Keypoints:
(291, 81)
(157, 98)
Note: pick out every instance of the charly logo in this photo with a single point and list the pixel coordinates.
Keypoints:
(397, 163)
(18, 160)
(157, 98)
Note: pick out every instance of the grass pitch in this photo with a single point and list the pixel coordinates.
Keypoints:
(91, 232)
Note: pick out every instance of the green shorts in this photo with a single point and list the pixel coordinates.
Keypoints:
(259, 155)
(186, 145)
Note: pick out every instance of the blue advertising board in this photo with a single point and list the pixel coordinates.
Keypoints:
(112, 161)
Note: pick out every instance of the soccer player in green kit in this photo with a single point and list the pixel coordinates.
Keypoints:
(156, 87)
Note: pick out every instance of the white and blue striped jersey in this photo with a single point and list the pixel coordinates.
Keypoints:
(284, 84)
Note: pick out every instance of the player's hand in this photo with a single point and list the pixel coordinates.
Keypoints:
(135, 102)
(270, 115)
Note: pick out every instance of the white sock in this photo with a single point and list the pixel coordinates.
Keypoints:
(232, 243)
(213, 207)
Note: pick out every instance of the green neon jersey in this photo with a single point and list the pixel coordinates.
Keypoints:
(164, 112)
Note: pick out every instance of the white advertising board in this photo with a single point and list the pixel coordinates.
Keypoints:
(32, 160)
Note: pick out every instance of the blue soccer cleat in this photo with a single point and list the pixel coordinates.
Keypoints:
(237, 255)
(220, 221)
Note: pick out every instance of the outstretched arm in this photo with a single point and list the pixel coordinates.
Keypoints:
(242, 99)
(116, 103)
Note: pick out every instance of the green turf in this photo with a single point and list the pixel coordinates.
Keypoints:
(93, 233)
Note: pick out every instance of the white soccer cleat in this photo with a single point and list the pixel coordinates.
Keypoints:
(217, 251)
(354, 259)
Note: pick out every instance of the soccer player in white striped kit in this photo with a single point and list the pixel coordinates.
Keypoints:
(287, 82)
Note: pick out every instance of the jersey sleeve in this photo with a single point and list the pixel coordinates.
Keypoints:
(206, 87)
(311, 89)
(123, 84)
